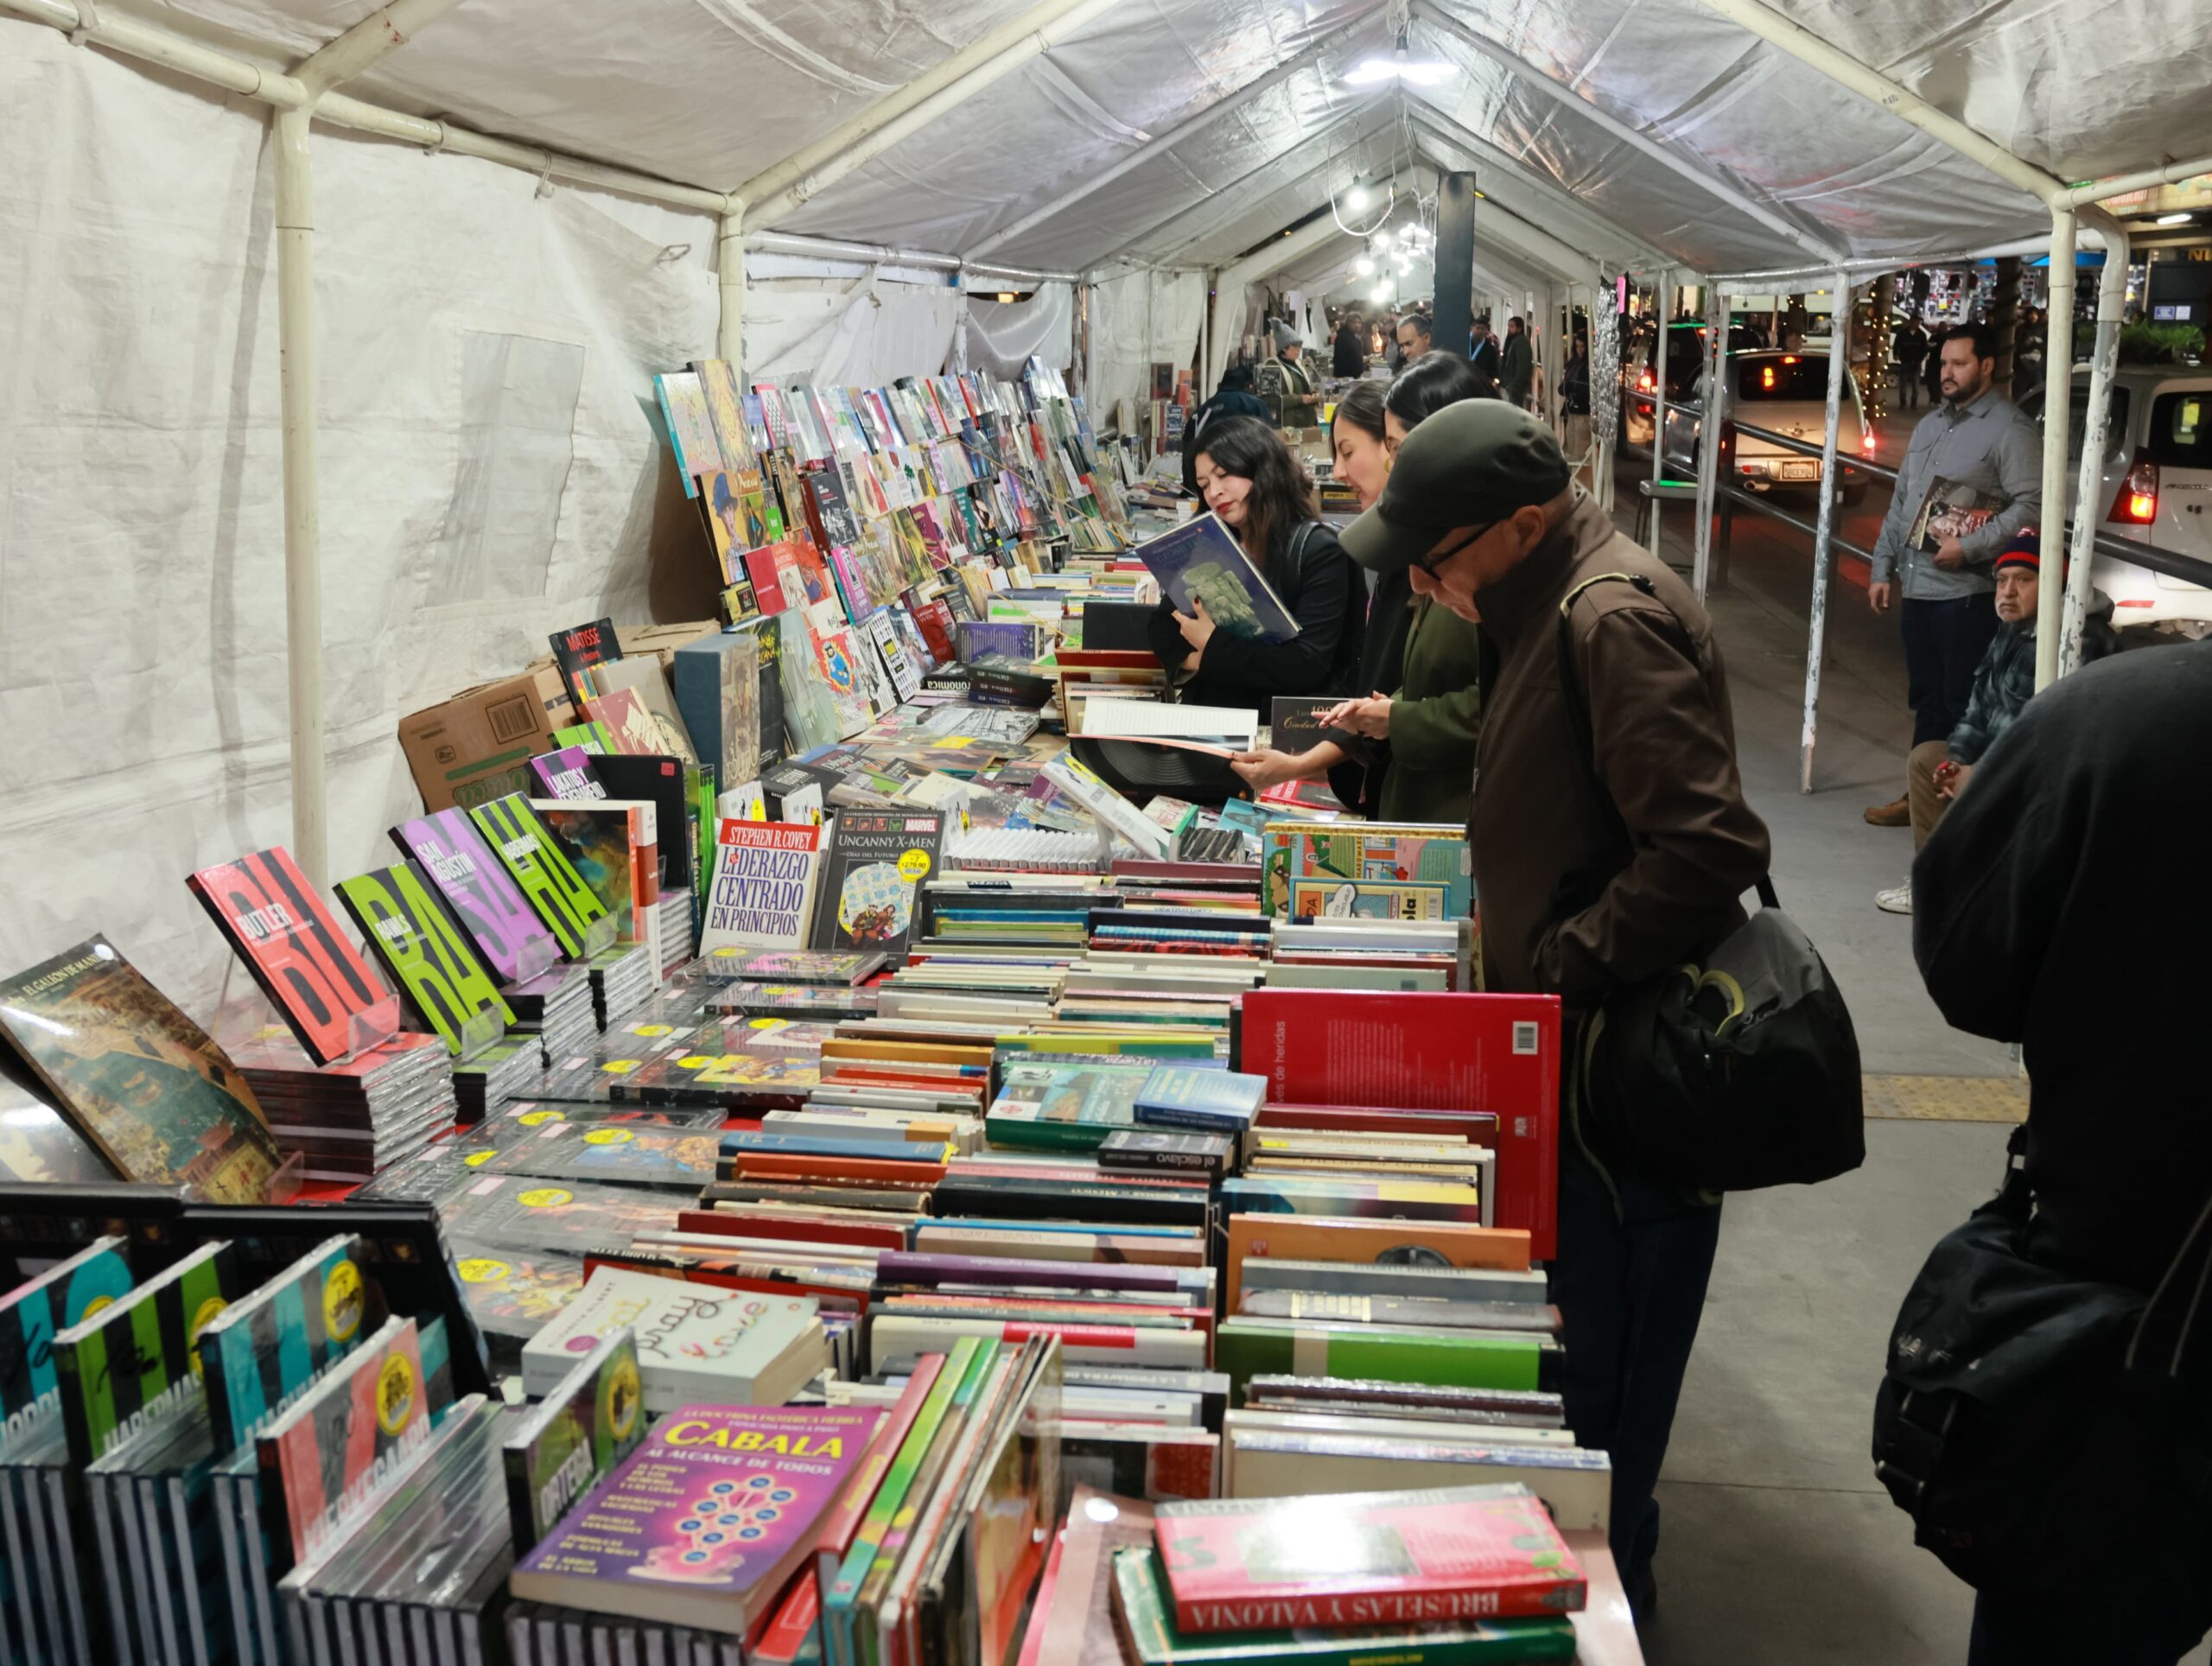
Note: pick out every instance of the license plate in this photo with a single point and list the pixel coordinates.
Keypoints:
(1802, 471)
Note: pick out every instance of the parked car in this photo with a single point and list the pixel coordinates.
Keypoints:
(1685, 360)
(1784, 393)
(2156, 484)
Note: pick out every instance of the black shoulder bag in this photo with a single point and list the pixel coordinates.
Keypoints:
(1739, 1072)
(2031, 1418)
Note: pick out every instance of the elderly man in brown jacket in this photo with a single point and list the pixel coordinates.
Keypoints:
(1603, 854)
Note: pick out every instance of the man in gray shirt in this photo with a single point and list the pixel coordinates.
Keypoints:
(1973, 477)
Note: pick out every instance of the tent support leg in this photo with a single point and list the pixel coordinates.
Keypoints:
(2057, 408)
(1709, 427)
(1665, 312)
(729, 260)
(2097, 434)
(302, 513)
(1816, 619)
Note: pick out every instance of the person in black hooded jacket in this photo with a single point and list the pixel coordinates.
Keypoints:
(2060, 905)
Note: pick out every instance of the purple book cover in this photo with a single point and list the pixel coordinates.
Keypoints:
(475, 885)
(717, 1500)
(567, 774)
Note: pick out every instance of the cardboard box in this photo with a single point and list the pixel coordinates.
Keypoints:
(478, 744)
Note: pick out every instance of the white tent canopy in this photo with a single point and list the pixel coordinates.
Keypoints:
(516, 211)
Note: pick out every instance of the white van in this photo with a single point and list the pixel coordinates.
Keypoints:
(2156, 484)
(1785, 393)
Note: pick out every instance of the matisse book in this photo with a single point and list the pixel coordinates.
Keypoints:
(447, 988)
(1202, 561)
(875, 861)
(705, 1523)
(762, 895)
(290, 942)
(159, 1101)
(580, 647)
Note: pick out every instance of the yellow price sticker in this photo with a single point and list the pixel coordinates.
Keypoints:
(609, 1136)
(914, 865)
(547, 1197)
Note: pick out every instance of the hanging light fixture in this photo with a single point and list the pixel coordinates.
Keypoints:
(1364, 266)
(1401, 66)
(1358, 197)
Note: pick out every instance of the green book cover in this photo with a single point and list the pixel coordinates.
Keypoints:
(446, 986)
(1245, 1348)
(93, 1278)
(591, 737)
(968, 1357)
(593, 1419)
(130, 1363)
(556, 890)
(1144, 1609)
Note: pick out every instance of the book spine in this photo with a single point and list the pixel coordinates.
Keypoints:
(1542, 1599)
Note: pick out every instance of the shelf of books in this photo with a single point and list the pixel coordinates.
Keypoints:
(764, 1170)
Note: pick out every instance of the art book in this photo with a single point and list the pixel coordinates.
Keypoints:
(706, 1522)
(288, 940)
(762, 895)
(642, 676)
(1202, 560)
(154, 1096)
(588, 1423)
(717, 685)
(1951, 510)
(480, 893)
(875, 862)
(31, 1315)
(615, 846)
(445, 988)
(725, 411)
(690, 429)
(37, 1144)
(553, 888)
(580, 647)
(1388, 869)
(260, 1354)
(628, 721)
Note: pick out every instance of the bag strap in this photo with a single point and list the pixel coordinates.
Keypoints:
(1578, 708)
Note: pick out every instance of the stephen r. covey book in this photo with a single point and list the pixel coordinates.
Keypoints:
(1365, 1559)
(763, 892)
(705, 1522)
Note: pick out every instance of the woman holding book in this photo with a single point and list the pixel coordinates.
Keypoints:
(1408, 756)
(1248, 477)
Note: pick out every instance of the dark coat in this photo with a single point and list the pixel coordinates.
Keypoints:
(1317, 584)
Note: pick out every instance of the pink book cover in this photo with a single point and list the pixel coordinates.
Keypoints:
(1365, 1559)
(714, 1511)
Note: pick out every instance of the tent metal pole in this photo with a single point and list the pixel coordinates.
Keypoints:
(2147, 179)
(1560, 206)
(1824, 528)
(1271, 259)
(807, 173)
(1161, 143)
(729, 263)
(2057, 411)
(1205, 339)
(1665, 305)
(2096, 432)
(1633, 136)
(1710, 424)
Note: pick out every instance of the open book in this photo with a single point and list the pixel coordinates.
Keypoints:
(1217, 729)
(1202, 559)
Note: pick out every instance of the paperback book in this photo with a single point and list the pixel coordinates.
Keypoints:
(1201, 562)
(762, 893)
(445, 987)
(874, 862)
(554, 888)
(694, 1342)
(590, 1421)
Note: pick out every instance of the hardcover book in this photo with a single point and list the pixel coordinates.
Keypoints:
(261, 1353)
(874, 863)
(705, 1523)
(717, 681)
(1365, 1559)
(1323, 867)
(695, 1342)
(1202, 561)
(554, 888)
(480, 892)
(726, 412)
(762, 895)
(588, 1423)
(662, 782)
(37, 1143)
(802, 966)
(690, 429)
(1294, 725)
(613, 844)
(265, 905)
(1144, 1611)
(445, 986)
(627, 721)
(580, 647)
(158, 1099)
(642, 676)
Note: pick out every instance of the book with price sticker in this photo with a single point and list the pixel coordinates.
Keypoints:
(875, 862)
(590, 1421)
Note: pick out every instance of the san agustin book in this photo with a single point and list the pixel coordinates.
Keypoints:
(706, 1521)
(763, 892)
(1365, 1559)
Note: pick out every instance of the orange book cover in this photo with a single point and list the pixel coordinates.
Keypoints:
(1324, 1237)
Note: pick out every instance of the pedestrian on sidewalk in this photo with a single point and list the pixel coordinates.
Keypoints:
(1517, 371)
(1595, 872)
(1909, 347)
(1971, 478)
(2003, 683)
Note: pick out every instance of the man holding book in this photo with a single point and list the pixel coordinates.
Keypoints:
(1600, 864)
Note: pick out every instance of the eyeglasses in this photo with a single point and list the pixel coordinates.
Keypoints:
(1429, 563)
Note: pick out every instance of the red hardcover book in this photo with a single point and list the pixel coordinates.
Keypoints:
(734, 1223)
(1426, 1052)
(290, 942)
(1365, 1559)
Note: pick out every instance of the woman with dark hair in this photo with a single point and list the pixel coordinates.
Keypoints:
(1411, 757)
(1248, 477)
(1234, 398)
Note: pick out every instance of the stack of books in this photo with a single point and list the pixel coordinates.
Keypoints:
(351, 1118)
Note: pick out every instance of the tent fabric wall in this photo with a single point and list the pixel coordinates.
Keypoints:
(491, 470)
(1121, 353)
(859, 331)
(1003, 334)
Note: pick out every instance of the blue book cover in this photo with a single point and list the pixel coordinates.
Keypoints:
(1176, 1096)
(262, 1352)
(978, 638)
(810, 1145)
(1201, 558)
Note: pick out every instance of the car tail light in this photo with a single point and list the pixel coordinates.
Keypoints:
(1866, 441)
(1727, 443)
(2137, 504)
(1644, 383)
(1766, 376)
(1788, 358)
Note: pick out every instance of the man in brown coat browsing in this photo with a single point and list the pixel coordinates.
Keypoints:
(1602, 855)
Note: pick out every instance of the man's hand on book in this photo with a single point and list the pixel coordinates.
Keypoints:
(1948, 555)
(1197, 628)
